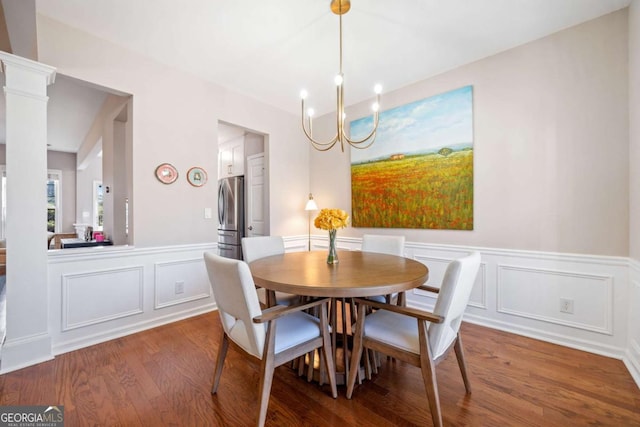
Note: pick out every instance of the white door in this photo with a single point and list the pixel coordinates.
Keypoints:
(256, 182)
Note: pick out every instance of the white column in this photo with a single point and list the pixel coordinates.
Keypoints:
(28, 338)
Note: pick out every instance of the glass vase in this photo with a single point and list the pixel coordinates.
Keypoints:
(332, 257)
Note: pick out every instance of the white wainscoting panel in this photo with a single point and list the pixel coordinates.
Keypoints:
(190, 275)
(632, 357)
(519, 292)
(516, 291)
(101, 296)
(536, 293)
(437, 268)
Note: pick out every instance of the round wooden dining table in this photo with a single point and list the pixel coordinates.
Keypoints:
(357, 274)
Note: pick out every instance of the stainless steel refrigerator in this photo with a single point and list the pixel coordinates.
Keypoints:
(230, 216)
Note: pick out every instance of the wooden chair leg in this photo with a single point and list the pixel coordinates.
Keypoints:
(312, 361)
(429, 374)
(326, 350)
(345, 337)
(334, 332)
(222, 354)
(461, 363)
(367, 364)
(356, 354)
(321, 372)
(266, 370)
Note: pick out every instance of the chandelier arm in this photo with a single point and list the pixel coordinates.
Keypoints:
(317, 144)
(353, 143)
(361, 147)
(317, 147)
(331, 143)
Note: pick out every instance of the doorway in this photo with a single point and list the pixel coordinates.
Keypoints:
(244, 152)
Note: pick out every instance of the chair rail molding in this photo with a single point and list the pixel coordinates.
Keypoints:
(500, 298)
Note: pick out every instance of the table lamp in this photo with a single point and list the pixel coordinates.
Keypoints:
(311, 206)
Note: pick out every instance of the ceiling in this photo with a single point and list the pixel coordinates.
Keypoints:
(270, 50)
(71, 110)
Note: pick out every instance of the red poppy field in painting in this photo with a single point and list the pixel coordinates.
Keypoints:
(415, 191)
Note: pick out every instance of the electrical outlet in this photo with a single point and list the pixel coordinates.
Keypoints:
(180, 287)
(566, 305)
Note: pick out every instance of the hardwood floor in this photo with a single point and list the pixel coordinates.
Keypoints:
(163, 377)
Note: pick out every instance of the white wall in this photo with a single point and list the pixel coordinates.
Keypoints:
(550, 144)
(545, 101)
(557, 187)
(633, 354)
(175, 119)
(634, 129)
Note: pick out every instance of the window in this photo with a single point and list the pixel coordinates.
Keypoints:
(54, 211)
(98, 209)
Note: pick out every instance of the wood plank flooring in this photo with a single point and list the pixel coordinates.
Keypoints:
(162, 377)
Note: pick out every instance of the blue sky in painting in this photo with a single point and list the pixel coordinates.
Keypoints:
(444, 120)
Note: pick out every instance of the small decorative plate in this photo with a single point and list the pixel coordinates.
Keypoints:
(197, 177)
(166, 173)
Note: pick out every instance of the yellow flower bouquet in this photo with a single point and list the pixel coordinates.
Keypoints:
(331, 220)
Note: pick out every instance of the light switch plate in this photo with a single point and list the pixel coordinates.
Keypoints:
(207, 213)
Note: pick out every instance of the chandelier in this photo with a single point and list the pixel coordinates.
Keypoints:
(340, 7)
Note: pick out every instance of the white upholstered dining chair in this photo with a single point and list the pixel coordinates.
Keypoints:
(390, 245)
(417, 337)
(263, 246)
(274, 336)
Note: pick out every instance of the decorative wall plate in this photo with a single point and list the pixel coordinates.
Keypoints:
(166, 173)
(197, 177)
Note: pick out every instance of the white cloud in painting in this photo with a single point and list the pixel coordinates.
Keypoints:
(425, 125)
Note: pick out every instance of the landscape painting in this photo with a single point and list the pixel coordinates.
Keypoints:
(419, 171)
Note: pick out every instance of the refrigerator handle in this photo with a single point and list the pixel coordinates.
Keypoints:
(221, 203)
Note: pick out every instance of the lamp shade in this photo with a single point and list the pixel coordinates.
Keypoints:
(311, 204)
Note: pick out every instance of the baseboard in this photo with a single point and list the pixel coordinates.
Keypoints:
(28, 351)
(538, 334)
(542, 335)
(89, 340)
(632, 361)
